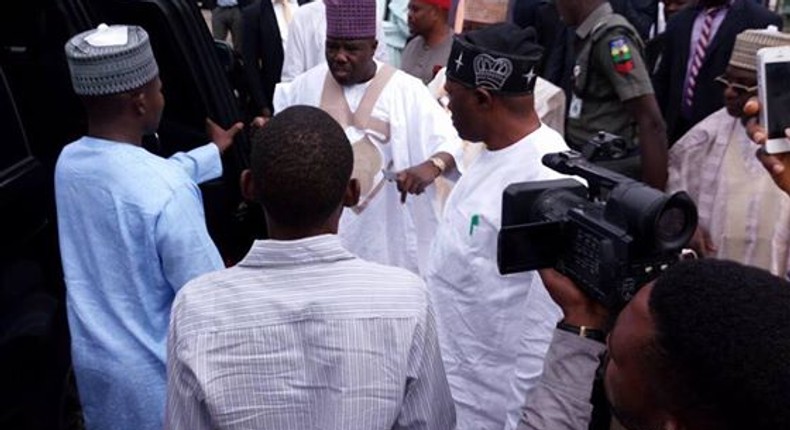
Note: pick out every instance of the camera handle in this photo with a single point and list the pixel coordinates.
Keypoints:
(574, 163)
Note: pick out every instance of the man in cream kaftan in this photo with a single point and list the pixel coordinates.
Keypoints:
(740, 208)
(742, 215)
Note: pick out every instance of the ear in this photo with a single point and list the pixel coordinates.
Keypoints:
(483, 98)
(351, 197)
(248, 190)
(375, 45)
(139, 103)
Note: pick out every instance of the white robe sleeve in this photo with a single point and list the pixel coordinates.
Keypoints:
(294, 57)
(430, 126)
(686, 157)
(283, 96)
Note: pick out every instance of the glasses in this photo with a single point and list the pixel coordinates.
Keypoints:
(734, 85)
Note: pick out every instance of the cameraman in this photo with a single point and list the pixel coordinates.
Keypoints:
(705, 346)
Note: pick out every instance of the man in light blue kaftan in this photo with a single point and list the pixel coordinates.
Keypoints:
(132, 229)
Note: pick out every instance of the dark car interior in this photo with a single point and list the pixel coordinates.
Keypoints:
(39, 115)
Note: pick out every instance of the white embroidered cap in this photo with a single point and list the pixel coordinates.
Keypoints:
(110, 60)
(748, 42)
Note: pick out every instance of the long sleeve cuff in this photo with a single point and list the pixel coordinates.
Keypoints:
(202, 163)
(455, 148)
(561, 400)
(571, 363)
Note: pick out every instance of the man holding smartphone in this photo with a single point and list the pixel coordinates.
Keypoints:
(714, 162)
(778, 165)
(773, 66)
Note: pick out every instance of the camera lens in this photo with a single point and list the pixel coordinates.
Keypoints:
(670, 224)
(676, 222)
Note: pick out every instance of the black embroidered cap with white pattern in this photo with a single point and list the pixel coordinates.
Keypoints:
(501, 58)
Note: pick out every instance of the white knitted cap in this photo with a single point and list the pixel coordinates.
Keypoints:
(110, 60)
(747, 43)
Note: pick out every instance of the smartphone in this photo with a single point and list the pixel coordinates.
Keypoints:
(773, 83)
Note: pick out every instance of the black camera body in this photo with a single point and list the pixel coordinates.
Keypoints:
(610, 238)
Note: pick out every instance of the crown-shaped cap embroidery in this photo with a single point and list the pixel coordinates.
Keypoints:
(497, 71)
(490, 72)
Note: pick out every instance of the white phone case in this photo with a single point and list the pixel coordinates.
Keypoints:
(767, 90)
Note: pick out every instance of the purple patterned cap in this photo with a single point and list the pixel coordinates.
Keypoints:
(350, 19)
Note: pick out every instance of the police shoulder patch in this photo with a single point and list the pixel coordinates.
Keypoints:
(620, 51)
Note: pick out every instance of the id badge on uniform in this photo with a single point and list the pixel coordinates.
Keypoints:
(575, 109)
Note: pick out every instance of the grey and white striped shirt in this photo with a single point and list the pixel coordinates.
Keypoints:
(303, 335)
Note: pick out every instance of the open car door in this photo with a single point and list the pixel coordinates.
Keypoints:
(196, 86)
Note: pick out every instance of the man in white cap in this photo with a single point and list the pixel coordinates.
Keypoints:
(494, 329)
(740, 209)
(131, 227)
(394, 125)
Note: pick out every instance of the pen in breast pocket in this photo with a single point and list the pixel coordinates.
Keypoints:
(474, 222)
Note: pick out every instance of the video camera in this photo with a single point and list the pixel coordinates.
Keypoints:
(610, 238)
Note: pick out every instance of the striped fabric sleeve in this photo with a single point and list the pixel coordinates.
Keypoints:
(186, 408)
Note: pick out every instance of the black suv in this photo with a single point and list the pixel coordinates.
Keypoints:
(39, 114)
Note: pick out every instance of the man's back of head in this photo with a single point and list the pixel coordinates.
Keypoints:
(300, 171)
(724, 330)
(302, 333)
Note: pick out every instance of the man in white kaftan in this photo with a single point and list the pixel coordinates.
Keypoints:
(742, 214)
(383, 229)
(495, 330)
(394, 124)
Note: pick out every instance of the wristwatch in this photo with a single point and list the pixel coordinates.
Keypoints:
(583, 331)
(438, 163)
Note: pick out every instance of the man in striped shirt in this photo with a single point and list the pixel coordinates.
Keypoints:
(301, 333)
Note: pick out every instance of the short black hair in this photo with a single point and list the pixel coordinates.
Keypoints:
(723, 334)
(301, 165)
